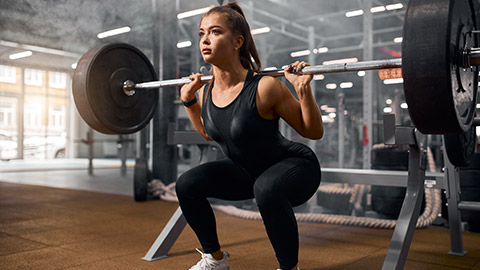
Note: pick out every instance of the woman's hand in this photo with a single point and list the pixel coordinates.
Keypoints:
(297, 80)
(188, 90)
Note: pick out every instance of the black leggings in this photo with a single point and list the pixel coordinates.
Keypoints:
(289, 183)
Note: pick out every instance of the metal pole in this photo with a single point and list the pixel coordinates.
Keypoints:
(341, 129)
(311, 59)
(367, 85)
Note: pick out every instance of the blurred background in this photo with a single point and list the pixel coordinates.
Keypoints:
(41, 42)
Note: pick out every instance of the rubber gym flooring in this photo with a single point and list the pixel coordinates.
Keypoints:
(59, 228)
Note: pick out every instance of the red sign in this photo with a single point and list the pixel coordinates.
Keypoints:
(386, 74)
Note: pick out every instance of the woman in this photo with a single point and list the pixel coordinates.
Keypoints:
(240, 110)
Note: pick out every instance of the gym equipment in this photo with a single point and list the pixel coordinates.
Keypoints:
(440, 88)
(439, 64)
(461, 148)
(97, 89)
(141, 177)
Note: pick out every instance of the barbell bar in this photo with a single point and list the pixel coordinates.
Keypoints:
(129, 87)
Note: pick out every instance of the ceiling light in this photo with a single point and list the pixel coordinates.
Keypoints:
(404, 105)
(320, 50)
(388, 101)
(194, 12)
(361, 73)
(74, 65)
(318, 77)
(398, 39)
(377, 9)
(332, 115)
(331, 86)
(260, 30)
(354, 13)
(20, 55)
(387, 110)
(184, 44)
(346, 85)
(340, 61)
(114, 32)
(300, 53)
(394, 6)
(330, 110)
(324, 107)
(393, 81)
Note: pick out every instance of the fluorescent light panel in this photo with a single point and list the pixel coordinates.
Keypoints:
(394, 6)
(361, 73)
(194, 12)
(318, 77)
(398, 39)
(344, 85)
(184, 44)
(300, 53)
(331, 86)
(377, 9)
(354, 13)
(20, 55)
(260, 30)
(114, 32)
(393, 81)
(387, 110)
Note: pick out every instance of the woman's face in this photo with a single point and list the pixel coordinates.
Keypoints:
(217, 42)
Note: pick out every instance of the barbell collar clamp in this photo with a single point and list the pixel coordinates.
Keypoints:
(476, 121)
(129, 88)
(471, 57)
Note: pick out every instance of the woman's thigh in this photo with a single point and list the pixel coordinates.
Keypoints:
(296, 179)
(220, 179)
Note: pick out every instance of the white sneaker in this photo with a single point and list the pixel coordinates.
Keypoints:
(209, 263)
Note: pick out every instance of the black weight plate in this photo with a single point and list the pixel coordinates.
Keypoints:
(439, 93)
(461, 148)
(140, 181)
(98, 89)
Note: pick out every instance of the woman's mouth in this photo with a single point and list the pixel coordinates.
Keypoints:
(206, 51)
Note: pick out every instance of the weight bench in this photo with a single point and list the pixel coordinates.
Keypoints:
(415, 180)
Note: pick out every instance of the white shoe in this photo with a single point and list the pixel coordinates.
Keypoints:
(209, 263)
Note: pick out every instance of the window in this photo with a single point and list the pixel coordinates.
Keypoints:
(8, 74)
(33, 77)
(56, 117)
(33, 114)
(7, 114)
(57, 80)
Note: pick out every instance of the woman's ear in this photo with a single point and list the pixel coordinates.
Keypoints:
(239, 42)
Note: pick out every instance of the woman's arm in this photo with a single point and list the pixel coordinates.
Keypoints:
(194, 111)
(275, 99)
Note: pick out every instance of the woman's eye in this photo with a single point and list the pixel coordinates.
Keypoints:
(201, 34)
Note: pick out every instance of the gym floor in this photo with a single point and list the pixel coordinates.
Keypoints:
(64, 219)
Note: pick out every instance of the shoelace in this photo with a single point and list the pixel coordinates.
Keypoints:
(204, 263)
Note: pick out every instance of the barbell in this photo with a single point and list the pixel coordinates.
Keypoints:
(440, 58)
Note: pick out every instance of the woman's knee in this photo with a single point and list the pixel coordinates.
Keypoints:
(185, 184)
(266, 192)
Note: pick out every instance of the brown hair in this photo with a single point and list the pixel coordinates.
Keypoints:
(239, 25)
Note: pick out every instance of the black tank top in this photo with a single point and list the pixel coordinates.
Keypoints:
(251, 141)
